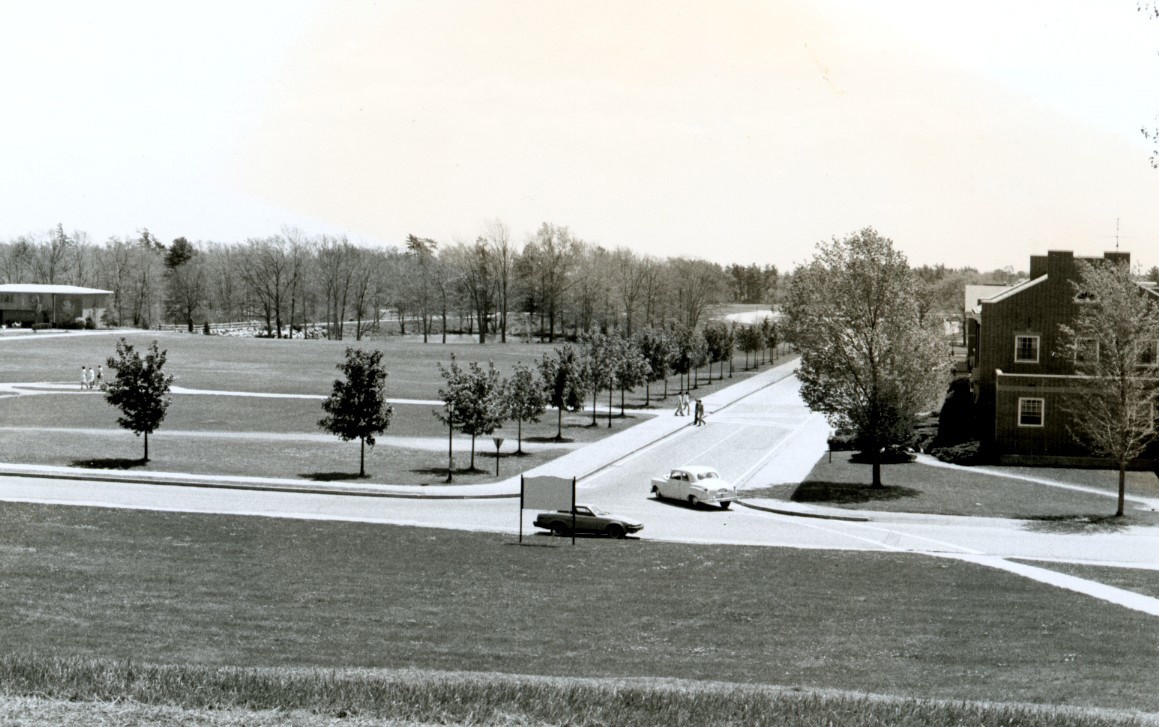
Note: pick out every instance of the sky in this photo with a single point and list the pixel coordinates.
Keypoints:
(739, 131)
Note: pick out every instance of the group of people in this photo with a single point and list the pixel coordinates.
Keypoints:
(682, 408)
(92, 378)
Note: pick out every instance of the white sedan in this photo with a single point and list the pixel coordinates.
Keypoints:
(694, 484)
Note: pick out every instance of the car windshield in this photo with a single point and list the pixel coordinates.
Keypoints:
(595, 510)
(707, 476)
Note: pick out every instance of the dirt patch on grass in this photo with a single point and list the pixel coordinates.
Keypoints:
(843, 493)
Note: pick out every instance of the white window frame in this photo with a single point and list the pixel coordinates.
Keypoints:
(1078, 346)
(1150, 418)
(1154, 356)
(1041, 411)
(1037, 347)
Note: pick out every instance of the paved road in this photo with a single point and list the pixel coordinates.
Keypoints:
(766, 437)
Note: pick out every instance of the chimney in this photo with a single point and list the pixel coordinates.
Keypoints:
(1037, 266)
(1060, 264)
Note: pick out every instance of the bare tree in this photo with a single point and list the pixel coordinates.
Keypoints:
(1113, 344)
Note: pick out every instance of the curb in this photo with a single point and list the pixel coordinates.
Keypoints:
(798, 513)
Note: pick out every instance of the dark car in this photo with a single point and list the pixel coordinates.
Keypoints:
(588, 519)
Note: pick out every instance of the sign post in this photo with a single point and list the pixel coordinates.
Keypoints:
(498, 443)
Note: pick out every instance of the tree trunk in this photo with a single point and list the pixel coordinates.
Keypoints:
(147, 451)
(595, 395)
(610, 390)
(362, 457)
(876, 469)
(472, 452)
(559, 429)
(450, 448)
(519, 436)
(1122, 487)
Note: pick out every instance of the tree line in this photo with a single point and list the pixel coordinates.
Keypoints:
(552, 284)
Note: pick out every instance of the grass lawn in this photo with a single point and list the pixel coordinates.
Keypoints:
(919, 488)
(262, 592)
(268, 437)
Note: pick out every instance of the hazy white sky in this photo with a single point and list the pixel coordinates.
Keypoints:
(735, 130)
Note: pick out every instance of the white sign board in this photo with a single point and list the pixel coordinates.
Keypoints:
(548, 493)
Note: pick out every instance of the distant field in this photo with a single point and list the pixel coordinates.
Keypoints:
(270, 437)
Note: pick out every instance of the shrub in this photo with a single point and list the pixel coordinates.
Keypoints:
(965, 453)
(90, 324)
(40, 326)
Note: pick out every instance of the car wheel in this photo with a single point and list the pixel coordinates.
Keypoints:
(656, 492)
(615, 531)
(693, 501)
(724, 505)
(558, 529)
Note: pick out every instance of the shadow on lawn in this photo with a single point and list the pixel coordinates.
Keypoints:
(1077, 524)
(849, 492)
(330, 476)
(547, 440)
(108, 463)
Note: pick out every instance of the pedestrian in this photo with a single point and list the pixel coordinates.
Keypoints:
(699, 421)
(84, 377)
(92, 376)
(100, 382)
(679, 405)
(684, 403)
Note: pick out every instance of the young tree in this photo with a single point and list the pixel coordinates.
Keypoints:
(868, 360)
(473, 400)
(525, 398)
(139, 388)
(356, 407)
(657, 348)
(599, 364)
(565, 380)
(1113, 344)
(631, 368)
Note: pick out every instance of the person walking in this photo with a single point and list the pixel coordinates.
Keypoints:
(84, 377)
(699, 420)
(684, 402)
(100, 380)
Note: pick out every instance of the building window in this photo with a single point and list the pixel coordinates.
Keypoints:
(1086, 350)
(1026, 349)
(1030, 412)
(1144, 417)
(1149, 354)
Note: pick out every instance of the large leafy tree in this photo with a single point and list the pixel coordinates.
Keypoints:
(1113, 344)
(356, 407)
(565, 381)
(526, 399)
(869, 360)
(139, 388)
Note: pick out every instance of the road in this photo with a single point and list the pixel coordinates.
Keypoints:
(765, 438)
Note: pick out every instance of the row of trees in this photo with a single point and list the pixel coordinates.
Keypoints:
(478, 399)
(553, 282)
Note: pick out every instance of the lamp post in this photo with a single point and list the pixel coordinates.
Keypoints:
(498, 443)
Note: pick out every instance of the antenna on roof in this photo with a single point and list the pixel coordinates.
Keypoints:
(1116, 234)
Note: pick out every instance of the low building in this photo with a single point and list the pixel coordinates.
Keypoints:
(1020, 381)
(56, 305)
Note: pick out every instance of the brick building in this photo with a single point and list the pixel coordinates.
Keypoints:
(1019, 379)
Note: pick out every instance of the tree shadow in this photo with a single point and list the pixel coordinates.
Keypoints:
(1077, 524)
(549, 440)
(108, 463)
(442, 471)
(331, 476)
(848, 493)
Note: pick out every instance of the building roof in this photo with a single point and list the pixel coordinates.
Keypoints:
(39, 289)
(1016, 289)
(975, 294)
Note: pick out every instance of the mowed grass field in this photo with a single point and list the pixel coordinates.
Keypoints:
(93, 596)
(273, 437)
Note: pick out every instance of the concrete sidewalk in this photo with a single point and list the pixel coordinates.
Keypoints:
(580, 463)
